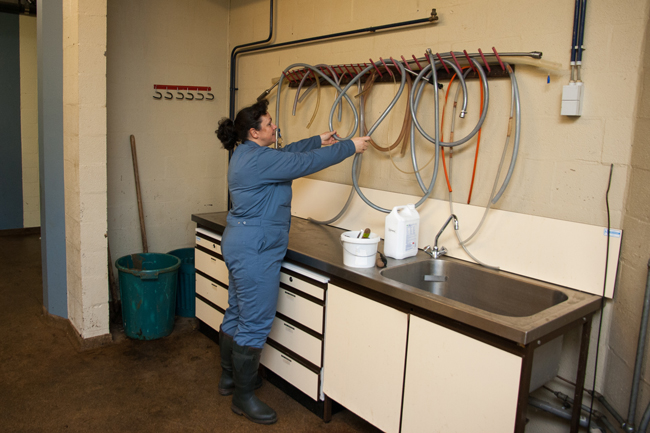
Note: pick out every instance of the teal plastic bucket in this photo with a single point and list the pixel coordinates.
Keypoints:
(186, 288)
(148, 291)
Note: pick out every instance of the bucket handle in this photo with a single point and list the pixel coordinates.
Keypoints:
(148, 275)
(356, 255)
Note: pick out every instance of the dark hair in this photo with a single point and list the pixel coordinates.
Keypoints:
(232, 133)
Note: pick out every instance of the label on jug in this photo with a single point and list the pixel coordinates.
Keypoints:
(411, 237)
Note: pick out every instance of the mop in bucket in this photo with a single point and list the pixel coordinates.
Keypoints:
(359, 251)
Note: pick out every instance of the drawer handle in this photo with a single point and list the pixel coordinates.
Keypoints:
(288, 359)
(291, 279)
(289, 326)
(213, 259)
(289, 293)
(214, 285)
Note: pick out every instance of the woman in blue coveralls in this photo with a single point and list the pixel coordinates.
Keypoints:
(256, 237)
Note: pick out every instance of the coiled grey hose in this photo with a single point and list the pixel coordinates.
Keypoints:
(299, 97)
(342, 94)
(513, 102)
(479, 124)
(515, 149)
(384, 114)
(415, 106)
(355, 180)
(352, 191)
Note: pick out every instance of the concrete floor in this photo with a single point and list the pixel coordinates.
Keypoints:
(167, 385)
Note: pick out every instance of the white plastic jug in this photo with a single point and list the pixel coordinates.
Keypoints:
(401, 233)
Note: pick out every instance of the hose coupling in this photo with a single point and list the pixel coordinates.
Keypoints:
(434, 15)
(462, 114)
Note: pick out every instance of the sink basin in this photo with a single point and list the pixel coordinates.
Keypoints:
(493, 291)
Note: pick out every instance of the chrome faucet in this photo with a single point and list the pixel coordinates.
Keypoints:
(436, 252)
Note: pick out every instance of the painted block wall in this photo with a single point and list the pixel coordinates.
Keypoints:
(564, 163)
(84, 134)
(11, 206)
(181, 165)
(633, 270)
(29, 121)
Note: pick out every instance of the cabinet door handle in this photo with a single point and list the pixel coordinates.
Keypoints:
(288, 359)
(289, 326)
(289, 293)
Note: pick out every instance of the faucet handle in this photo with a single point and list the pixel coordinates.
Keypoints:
(428, 250)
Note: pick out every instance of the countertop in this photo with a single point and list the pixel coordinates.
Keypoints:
(319, 247)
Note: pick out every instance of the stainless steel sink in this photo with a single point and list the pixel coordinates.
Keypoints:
(482, 288)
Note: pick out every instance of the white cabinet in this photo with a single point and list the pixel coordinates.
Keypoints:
(365, 349)
(295, 344)
(211, 279)
(456, 384)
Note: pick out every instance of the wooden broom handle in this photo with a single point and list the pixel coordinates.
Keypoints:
(134, 155)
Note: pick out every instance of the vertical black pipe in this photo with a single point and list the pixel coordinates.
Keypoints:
(576, 25)
(581, 33)
(233, 62)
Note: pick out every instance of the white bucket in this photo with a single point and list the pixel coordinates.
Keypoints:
(357, 251)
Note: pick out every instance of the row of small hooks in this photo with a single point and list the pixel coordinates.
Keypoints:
(179, 92)
(389, 66)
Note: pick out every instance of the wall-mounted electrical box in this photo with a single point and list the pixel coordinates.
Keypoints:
(572, 99)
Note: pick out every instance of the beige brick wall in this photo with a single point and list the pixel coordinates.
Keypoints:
(635, 256)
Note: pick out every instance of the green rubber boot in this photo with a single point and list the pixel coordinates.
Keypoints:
(246, 361)
(226, 382)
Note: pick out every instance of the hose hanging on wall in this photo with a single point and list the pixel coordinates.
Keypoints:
(352, 191)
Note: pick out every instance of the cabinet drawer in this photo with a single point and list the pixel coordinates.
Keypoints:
(209, 240)
(302, 284)
(213, 266)
(208, 315)
(301, 310)
(297, 340)
(212, 291)
(291, 371)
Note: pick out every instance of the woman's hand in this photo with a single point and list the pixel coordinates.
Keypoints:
(360, 143)
(327, 138)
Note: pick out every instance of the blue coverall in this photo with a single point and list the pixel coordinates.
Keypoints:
(256, 237)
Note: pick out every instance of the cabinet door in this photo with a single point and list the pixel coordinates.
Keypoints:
(455, 384)
(365, 351)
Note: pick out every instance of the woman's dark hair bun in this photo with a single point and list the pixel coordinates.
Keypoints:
(232, 133)
(227, 134)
